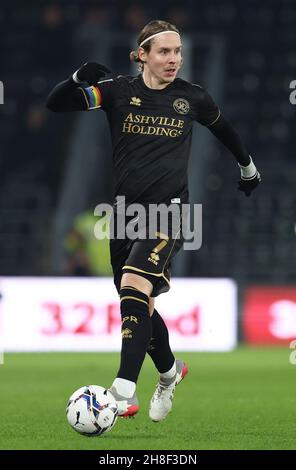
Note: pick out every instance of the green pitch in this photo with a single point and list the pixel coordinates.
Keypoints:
(240, 400)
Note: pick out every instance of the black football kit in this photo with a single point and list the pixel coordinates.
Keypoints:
(151, 132)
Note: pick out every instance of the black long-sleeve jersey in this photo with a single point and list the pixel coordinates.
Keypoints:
(151, 131)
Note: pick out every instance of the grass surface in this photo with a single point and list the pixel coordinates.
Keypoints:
(240, 400)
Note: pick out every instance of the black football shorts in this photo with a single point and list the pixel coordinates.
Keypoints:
(147, 256)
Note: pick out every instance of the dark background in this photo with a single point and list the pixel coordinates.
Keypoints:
(54, 167)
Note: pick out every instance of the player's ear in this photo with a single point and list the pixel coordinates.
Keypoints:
(142, 54)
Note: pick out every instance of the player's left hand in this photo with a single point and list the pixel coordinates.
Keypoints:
(91, 73)
(248, 185)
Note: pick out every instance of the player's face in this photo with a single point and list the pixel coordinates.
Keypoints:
(165, 57)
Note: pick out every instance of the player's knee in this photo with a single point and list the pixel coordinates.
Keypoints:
(136, 281)
(151, 305)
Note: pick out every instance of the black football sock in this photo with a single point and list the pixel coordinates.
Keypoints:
(159, 348)
(136, 332)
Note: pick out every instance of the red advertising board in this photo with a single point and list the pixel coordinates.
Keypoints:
(269, 315)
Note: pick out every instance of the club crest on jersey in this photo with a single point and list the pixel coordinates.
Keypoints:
(135, 101)
(181, 106)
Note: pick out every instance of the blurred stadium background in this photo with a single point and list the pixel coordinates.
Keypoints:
(55, 168)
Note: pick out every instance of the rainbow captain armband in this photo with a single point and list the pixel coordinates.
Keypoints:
(92, 96)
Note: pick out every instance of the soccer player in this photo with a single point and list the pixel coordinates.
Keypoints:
(150, 117)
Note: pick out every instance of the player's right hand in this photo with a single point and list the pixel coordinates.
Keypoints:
(248, 185)
(91, 73)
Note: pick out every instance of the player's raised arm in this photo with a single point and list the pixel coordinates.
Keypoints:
(75, 94)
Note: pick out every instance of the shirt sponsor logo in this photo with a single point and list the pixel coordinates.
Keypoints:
(153, 125)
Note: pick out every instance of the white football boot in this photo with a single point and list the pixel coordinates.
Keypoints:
(127, 407)
(162, 401)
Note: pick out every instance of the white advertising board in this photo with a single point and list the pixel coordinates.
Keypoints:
(83, 314)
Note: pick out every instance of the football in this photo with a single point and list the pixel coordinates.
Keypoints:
(92, 410)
